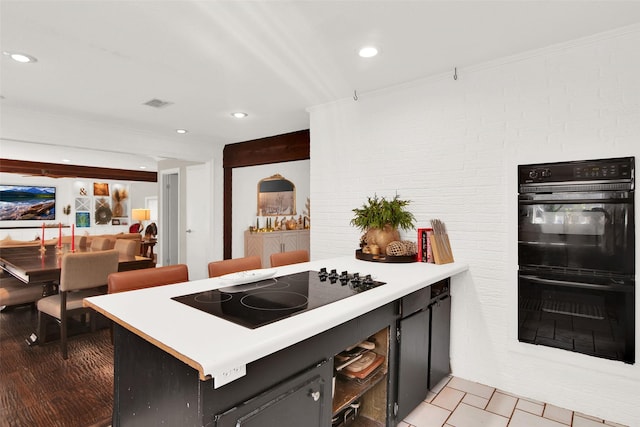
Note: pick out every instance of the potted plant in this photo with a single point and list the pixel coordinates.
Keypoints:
(380, 220)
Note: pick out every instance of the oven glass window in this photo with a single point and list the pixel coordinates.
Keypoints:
(588, 318)
(592, 236)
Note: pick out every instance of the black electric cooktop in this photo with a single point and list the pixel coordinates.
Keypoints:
(259, 303)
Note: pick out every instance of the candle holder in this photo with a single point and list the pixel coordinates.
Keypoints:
(42, 249)
(59, 250)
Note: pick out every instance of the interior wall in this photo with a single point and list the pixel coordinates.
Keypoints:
(66, 193)
(171, 166)
(452, 147)
(245, 196)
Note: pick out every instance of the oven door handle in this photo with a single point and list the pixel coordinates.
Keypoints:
(527, 201)
(597, 286)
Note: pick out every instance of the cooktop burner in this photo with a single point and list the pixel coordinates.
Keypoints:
(259, 303)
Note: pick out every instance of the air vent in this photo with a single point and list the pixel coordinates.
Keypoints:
(157, 103)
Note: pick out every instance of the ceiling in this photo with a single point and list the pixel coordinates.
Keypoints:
(99, 61)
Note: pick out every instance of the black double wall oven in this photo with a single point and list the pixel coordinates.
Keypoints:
(576, 257)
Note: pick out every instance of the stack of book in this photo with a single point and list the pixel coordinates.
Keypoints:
(425, 253)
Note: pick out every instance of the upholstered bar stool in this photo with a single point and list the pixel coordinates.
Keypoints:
(220, 268)
(286, 258)
(147, 277)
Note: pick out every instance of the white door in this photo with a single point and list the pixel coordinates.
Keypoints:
(198, 233)
(169, 232)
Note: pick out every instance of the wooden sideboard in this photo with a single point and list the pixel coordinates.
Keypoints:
(267, 243)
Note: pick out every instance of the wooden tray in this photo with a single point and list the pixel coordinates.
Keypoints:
(385, 258)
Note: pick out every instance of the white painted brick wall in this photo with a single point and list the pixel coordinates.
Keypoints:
(452, 147)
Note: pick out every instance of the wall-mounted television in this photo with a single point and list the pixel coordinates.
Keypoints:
(27, 202)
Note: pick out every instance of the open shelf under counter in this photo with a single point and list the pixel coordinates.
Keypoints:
(371, 393)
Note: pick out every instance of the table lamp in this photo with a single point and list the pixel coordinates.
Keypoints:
(140, 215)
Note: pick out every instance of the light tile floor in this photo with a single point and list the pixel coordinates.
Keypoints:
(456, 402)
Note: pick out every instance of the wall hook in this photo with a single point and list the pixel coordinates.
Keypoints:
(355, 95)
(455, 73)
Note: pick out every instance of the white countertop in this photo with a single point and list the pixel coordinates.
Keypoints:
(221, 349)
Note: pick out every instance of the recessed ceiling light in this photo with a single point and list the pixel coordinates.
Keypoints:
(20, 57)
(368, 52)
(66, 160)
(142, 167)
(239, 115)
(181, 131)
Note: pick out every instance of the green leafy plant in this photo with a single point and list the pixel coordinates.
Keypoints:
(378, 212)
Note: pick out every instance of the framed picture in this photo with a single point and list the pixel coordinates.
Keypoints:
(100, 189)
(102, 214)
(80, 188)
(119, 198)
(276, 196)
(27, 202)
(83, 204)
(83, 219)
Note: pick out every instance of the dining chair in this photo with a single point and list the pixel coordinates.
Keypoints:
(15, 292)
(226, 266)
(79, 241)
(285, 258)
(127, 247)
(101, 244)
(82, 275)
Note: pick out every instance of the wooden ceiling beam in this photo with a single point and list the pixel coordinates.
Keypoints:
(273, 149)
(55, 170)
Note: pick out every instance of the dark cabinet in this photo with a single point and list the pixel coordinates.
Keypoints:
(423, 344)
(413, 362)
(304, 400)
(440, 338)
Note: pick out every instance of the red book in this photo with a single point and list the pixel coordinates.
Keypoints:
(425, 253)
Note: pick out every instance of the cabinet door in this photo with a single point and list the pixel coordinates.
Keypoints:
(304, 400)
(413, 362)
(271, 244)
(440, 340)
(290, 241)
(253, 244)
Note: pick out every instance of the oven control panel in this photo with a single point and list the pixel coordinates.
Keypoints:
(585, 170)
(596, 171)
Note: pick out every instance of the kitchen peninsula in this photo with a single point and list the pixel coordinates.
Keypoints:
(177, 365)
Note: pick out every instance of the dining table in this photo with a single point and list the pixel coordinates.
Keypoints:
(35, 266)
(41, 265)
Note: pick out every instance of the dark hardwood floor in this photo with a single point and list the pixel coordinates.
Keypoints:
(39, 388)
